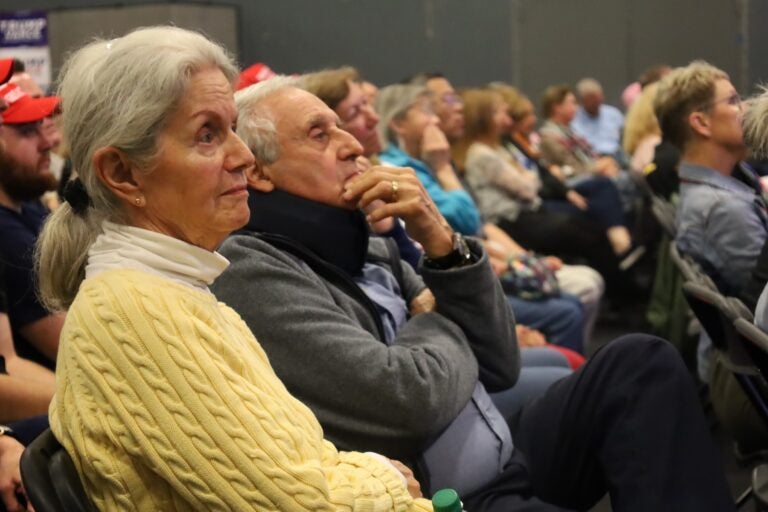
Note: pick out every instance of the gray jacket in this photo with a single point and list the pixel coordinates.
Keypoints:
(323, 344)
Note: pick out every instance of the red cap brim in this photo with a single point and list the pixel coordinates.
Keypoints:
(31, 110)
(6, 70)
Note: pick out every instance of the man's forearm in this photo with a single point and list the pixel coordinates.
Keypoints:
(20, 398)
(44, 333)
(30, 371)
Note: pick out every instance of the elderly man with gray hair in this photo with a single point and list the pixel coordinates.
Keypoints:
(600, 124)
(401, 365)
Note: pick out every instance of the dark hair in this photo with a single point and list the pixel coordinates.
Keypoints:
(422, 78)
(330, 85)
(554, 95)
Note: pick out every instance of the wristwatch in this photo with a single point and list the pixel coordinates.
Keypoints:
(5, 430)
(460, 256)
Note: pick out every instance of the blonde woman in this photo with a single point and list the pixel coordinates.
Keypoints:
(641, 130)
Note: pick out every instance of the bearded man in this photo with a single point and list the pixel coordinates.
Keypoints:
(25, 143)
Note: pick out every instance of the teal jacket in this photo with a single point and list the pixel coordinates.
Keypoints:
(457, 206)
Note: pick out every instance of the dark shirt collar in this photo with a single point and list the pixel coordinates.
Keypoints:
(336, 235)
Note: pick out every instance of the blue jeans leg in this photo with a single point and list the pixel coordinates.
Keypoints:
(560, 319)
(540, 368)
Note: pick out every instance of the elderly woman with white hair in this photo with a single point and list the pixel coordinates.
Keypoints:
(164, 399)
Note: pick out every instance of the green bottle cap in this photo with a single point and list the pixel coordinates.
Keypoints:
(446, 500)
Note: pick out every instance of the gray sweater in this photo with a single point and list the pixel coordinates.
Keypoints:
(323, 345)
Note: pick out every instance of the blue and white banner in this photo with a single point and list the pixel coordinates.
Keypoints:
(24, 36)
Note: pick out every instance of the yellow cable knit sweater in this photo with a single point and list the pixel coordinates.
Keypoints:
(166, 402)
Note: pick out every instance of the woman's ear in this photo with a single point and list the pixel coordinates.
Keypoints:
(258, 178)
(396, 125)
(115, 170)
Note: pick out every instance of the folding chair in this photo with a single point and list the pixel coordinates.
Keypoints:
(664, 212)
(728, 322)
(50, 478)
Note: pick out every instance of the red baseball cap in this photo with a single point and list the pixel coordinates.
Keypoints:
(22, 108)
(253, 75)
(6, 70)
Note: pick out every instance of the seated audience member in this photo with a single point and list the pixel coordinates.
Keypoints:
(597, 196)
(721, 219)
(20, 397)
(337, 349)
(718, 222)
(649, 76)
(409, 128)
(641, 131)
(59, 166)
(756, 138)
(341, 89)
(561, 146)
(422, 146)
(507, 194)
(600, 124)
(579, 280)
(24, 176)
(164, 398)
(26, 388)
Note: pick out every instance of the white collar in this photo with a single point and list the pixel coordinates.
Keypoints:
(121, 247)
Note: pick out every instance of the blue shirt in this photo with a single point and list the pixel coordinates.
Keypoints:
(721, 223)
(603, 132)
(382, 288)
(456, 206)
(19, 232)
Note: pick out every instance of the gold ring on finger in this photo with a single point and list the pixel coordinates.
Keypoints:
(394, 190)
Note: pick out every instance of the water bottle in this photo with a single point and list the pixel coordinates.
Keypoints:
(446, 500)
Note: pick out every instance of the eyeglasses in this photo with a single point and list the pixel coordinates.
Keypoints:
(734, 100)
(451, 98)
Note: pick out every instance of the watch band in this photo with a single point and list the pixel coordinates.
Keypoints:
(460, 256)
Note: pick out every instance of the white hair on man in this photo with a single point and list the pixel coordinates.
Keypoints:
(256, 124)
(588, 86)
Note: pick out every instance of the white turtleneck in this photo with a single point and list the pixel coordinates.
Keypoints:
(120, 247)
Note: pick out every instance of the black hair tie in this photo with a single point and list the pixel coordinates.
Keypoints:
(77, 197)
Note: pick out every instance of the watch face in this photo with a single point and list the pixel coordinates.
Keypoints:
(4, 429)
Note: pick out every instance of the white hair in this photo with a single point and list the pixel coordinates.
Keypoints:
(119, 94)
(756, 124)
(392, 103)
(255, 124)
(588, 86)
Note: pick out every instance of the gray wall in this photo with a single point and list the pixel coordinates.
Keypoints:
(530, 43)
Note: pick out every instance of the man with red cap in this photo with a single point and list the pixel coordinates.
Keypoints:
(26, 388)
(25, 143)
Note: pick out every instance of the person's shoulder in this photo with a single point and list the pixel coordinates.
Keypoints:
(610, 110)
(550, 130)
(120, 285)
(246, 248)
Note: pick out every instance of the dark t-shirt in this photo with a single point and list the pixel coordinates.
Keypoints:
(3, 296)
(18, 233)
